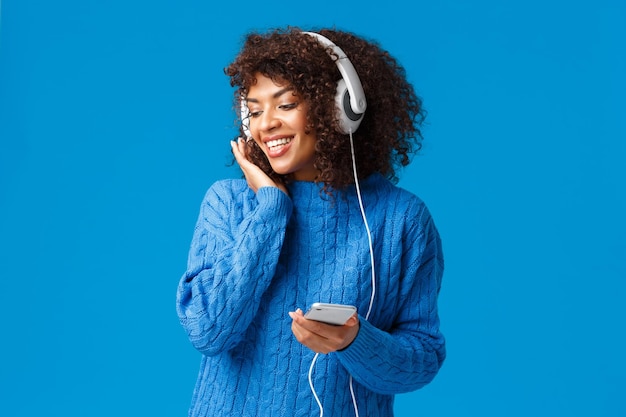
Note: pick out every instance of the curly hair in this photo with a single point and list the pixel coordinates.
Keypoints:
(390, 130)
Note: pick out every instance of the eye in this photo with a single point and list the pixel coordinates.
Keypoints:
(255, 113)
(288, 106)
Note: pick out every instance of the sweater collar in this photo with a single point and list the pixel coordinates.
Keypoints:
(306, 190)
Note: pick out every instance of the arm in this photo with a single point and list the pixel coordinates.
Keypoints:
(232, 260)
(411, 353)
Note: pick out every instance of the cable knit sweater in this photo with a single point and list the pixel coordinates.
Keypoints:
(255, 257)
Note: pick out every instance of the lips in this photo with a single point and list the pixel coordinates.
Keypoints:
(278, 146)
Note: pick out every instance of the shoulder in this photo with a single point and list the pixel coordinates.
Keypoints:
(395, 199)
(235, 199)
(224, 195)
(228, 187)
(228, 190)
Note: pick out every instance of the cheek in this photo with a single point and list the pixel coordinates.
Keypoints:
(301, 122)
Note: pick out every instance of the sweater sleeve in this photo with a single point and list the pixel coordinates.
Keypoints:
(232, 259)
(409, 355)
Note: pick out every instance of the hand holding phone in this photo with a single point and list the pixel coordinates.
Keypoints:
(336, 314)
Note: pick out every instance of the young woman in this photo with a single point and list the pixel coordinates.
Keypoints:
(317, 218)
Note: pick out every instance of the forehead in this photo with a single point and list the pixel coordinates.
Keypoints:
(267, 88)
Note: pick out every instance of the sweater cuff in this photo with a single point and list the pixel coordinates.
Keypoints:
(366, 340)
(276, 202)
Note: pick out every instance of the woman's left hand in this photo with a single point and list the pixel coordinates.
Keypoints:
(321, 337)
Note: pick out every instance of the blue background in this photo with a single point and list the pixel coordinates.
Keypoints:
(115, 118)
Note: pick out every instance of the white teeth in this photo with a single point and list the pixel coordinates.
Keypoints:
(278, 142)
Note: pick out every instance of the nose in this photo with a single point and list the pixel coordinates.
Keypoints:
(268, 121)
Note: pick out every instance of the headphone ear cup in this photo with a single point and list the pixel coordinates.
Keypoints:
(245, 120)
(348, 120)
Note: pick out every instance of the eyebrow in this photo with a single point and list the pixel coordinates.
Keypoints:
(275, 95)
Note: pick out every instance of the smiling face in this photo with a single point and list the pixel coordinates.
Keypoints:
(278, 125)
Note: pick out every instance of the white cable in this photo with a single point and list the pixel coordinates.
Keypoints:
(319, 404)
(371, 246)
(356, 407)
(369, 310)
(367, 227)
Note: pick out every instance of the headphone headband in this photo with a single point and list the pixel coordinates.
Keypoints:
(349, 99)
(349, 74)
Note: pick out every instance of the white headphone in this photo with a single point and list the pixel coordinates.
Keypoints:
(349, 100)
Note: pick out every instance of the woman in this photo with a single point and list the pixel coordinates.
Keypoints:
(306, 225)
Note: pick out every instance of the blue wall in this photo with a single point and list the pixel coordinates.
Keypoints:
(115, 117)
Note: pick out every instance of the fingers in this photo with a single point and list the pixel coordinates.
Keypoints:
(255, 176)
(239, 151)
(321, 337)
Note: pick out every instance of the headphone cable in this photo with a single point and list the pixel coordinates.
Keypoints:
(369, 310)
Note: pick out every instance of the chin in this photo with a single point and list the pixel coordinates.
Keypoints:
(280, 170)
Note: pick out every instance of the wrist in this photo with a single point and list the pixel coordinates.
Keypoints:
(356, 334)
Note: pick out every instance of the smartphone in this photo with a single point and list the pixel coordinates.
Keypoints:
(337, 314)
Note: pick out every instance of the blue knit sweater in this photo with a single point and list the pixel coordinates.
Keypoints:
(255, 257)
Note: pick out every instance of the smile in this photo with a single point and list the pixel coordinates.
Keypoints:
(278, 143)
